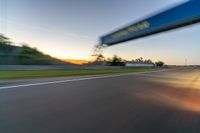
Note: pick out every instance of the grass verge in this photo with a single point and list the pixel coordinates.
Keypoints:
(54, 73)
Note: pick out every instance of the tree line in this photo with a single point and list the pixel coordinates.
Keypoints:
(118, 61)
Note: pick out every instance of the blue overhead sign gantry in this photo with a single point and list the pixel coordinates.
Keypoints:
(179, 16)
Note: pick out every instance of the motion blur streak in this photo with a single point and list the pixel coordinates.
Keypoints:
(183, 93)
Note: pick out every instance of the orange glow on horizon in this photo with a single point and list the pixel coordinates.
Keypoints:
(74, 61)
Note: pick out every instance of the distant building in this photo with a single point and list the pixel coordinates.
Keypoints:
(133, 64)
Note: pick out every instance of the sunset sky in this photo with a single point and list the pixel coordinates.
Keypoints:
(68, 29)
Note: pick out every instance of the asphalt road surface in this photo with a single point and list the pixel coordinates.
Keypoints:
(158, 102)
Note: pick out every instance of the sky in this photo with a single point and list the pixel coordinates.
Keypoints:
(69, 29)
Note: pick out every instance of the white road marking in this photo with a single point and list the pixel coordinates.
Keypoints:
(78, 79)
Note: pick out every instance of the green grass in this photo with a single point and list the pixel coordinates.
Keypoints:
(54, 73)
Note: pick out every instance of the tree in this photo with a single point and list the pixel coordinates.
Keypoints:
(159, 63)
(100, 58)
(117, 61)
(138, 60)
(141, 60)
(4, 40)
(148, 61)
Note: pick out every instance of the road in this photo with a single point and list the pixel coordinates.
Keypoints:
(157, 102)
